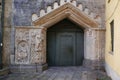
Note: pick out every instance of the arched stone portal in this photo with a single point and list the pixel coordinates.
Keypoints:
(35, 36)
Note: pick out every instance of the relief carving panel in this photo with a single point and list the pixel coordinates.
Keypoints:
(22, 52)
(30, 48)
(22, 46)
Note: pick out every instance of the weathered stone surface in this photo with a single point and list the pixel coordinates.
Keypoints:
(23, 9)
(22, 47)
(64, 73)
(29, 44)
(8, 11)
(94, 64)
(27, 68)
(6, 46)
(4, 71)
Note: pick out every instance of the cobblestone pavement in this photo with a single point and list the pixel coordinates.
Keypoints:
(57, 73)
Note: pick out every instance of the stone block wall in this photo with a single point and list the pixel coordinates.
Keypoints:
(23, 9)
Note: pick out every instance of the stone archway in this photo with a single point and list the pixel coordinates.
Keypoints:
(91, 27)
(35, 36)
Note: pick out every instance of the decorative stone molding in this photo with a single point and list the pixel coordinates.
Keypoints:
(62, 7)
(66, 11)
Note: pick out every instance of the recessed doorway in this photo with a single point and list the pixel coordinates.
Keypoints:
(65, 44)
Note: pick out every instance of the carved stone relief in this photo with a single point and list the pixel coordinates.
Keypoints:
(37, 39)
(22, 46)
(30, 46)
(22, 52)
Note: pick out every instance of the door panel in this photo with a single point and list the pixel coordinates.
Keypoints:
(51, 48)
(65, 48)
(79, 48)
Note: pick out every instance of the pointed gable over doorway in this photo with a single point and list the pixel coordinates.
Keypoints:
(66, 9)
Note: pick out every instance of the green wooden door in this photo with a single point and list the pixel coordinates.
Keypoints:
(65, 47)
(65, 44)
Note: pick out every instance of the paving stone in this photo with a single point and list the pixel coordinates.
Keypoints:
(59, 73)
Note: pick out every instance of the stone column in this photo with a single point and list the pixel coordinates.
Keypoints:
(91, 50)
(6, 36)
(90, 38)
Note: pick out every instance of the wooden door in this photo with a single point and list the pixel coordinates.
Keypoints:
(65, 48)
(65, 44)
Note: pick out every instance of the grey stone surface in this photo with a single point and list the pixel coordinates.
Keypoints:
(60, 73)
(25, 68)
(94, 64)
(4, 71)
(23, 9)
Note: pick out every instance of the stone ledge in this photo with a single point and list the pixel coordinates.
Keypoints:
(4, 71)
(27, 68)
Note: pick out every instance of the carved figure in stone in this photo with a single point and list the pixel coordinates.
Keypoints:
(22, 52)
(22, 34)
(38, 43)
(22, 41)
(37, 39)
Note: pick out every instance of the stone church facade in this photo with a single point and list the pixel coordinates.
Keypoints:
(26, 23)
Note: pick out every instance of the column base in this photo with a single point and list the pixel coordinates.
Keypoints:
(94, 64)
(28, 68)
